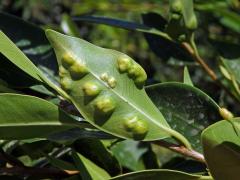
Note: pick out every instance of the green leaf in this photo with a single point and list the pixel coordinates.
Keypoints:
(64, 165)
(186, 77)
(89, 170)
(71, 135)
(157, 174)
(129, 154)
(161, 46)
(233, 67)
(185, 7)
(227, 17)
(153, 31)
(106, 86)
(221, 144)
(36, 48)
(68, 26)
(23, 117)
(187, 109)
(94, 150)
(18, 58)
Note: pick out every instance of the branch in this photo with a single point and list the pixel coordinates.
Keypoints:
(38, 172)
(181, 150)
(10, 159)
(193, 52)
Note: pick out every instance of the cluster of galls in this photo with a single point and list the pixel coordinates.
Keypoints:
(134, 70)
(72, 69)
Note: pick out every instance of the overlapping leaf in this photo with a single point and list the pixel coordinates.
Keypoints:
(221, 144)
(23, 117)
(187, 109)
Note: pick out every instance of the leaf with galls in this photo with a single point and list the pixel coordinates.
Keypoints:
(109, 89)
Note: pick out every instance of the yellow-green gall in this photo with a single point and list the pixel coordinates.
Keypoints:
(124, 63)
(176, 6)
(226, 114)
(134, 70)
(175, 16)
(104, 77)
(67, 59)
(129, 123)
(140, 80)
(105, 105)
(91, 89)
(62, 72)
(138, 128)
(78, 70)
(192, 23)
(112, 82)
(66, 83)
(138, 74)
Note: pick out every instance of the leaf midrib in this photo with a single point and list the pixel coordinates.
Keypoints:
(125, 100)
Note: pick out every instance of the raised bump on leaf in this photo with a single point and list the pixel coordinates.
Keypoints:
(67, 60)
(105, 105)
(129, 123)
(78, 70)
(112, 82)
(124, 63)
(176, 6)
(91, 89)
(138, 74)
(66, 83)
(175, 16)
(137, 127)
(140, 130)
(104, 76)
(62, 72)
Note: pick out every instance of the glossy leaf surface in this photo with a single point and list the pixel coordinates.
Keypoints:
(117, 96)
(186, 108)
(221, 144)
(129, 154)
(23, 117)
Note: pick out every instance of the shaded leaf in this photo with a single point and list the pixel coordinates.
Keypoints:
(25, 117)
(19, 59)
(162, 47)
(233, 67)
(157, 174)
(88, 169)
(71, 135)
(112, 22)
(129, 154)
(186, 108)
(221, 144)
(31, 40)
(95, 151)
(64, 165)
(229, 50)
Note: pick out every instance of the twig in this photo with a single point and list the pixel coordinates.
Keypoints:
(38, 172)
(181, 150)
(10, 159)
(210, 72)
(194, 53)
